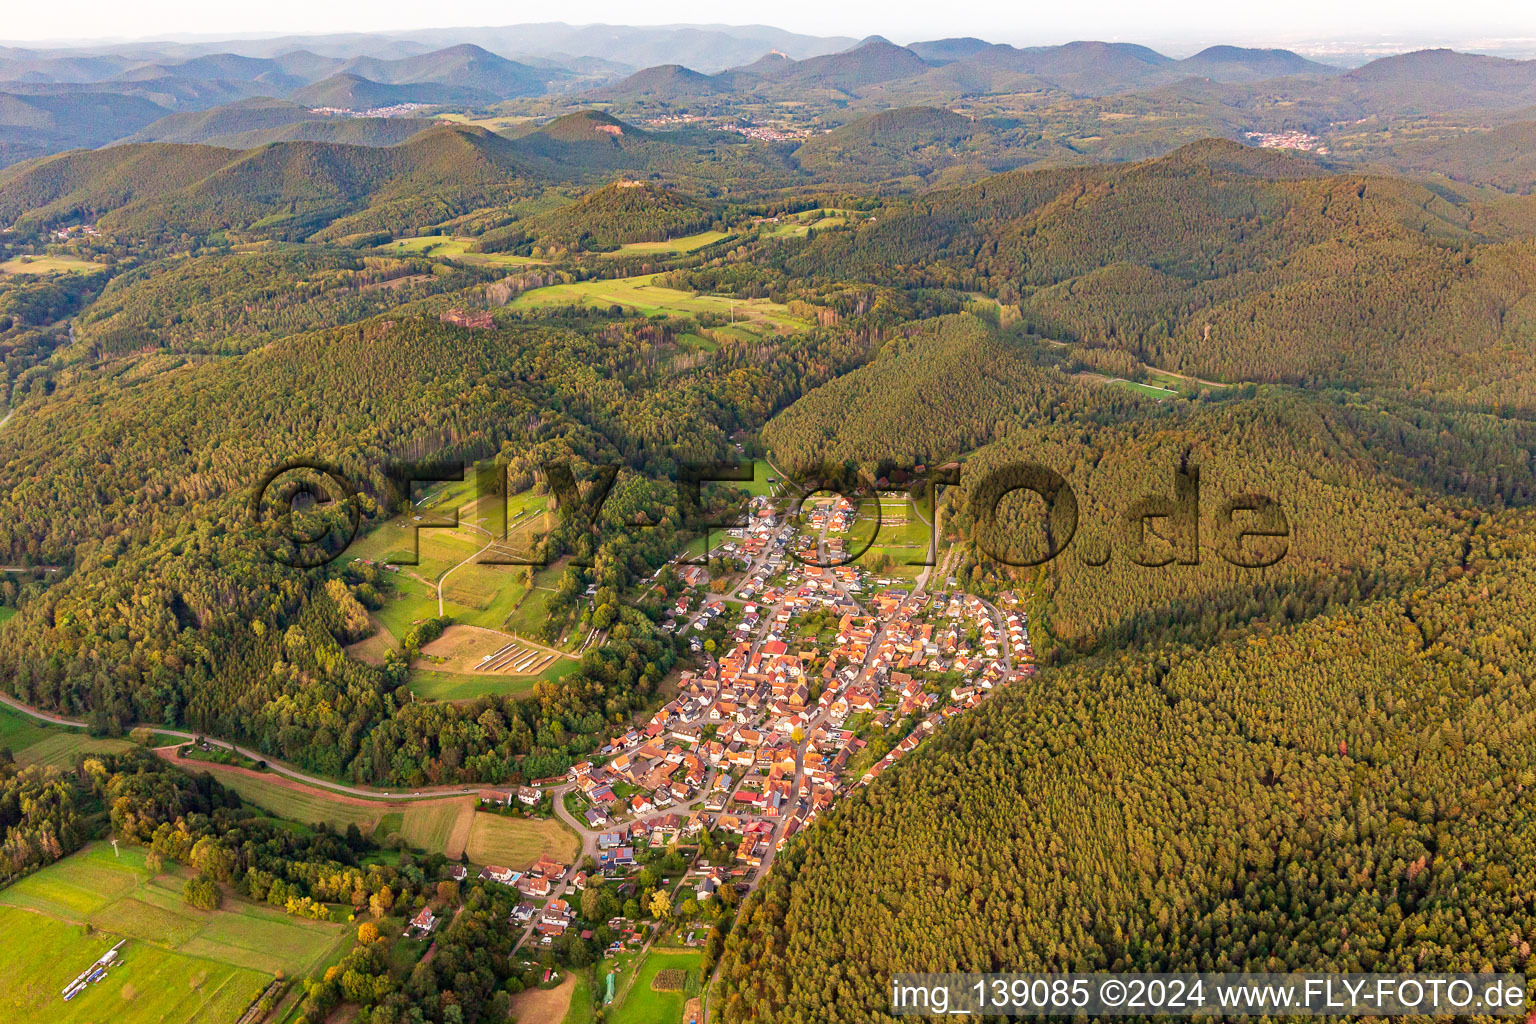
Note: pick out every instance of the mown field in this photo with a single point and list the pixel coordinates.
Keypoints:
(800, 224)
(672, 247)
(48, 265)
(431, 825)
(433, 685)
(518, 842)
(456, 248)
(641, 295)
(180, 965)
(641, 1003)
(474, 594)
(32, 742)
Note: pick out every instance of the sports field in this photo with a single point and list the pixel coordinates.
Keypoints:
(518, 842)
(649, 299)
(180, 965)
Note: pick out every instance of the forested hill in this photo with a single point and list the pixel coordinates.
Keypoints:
(285, 190)
(627, 211)
(1230, 263)
(139, 452)
(1353, 793)
(1374, 495)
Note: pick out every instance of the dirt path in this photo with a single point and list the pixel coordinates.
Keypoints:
(444, 577)
(544, 1006)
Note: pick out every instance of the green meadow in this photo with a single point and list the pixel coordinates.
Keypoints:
(671, 247)
(454, 247)
(649, 299)
(179, 964)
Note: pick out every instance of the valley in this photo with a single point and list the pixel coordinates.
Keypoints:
(681, 524)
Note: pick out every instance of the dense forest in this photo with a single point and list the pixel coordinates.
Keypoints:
(1249, 435)
(1352, 793)
(1228, 263)
(173, 612)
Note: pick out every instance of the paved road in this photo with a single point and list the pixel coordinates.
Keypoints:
(366, 792)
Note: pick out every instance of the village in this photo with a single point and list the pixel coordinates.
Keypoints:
(809, 682)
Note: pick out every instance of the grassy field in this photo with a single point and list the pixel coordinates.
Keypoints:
(18, 731)
(455, 247)
(642, 1004)
(799, 225)
(48, 265)
(474, 594)
(303, 806)
(518, 842)
(180, 965)
(641, 295)
(674, 246)
(61, 747)
(1150, 390)
(32, 742)
(432, 685)
(760, 486)
(440, 825)
(431, 825)
(581, 1010)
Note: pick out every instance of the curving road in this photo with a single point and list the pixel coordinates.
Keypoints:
(366, 792)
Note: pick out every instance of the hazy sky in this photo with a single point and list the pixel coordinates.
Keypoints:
(1285, 22)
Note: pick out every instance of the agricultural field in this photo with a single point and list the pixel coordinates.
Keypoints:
(428, 824)
(472, 593)
(61, 747)
(650, 299)
(1150, 390)
(48, 265)
(454, 247)
(800, 224)
(180, 964)
(475, 649)
(294, 802)
(439, 825)
(643, 1003)
(32, 742)
(552, 1004)
(671, 247)
(518, 842)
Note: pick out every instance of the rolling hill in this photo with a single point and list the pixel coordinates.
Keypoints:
(1231, 263)
(666, 82)
(35, 125)
(231, 119)
(286, 190)
(1427, 81)
(347, 91)
(873, 61)
(1241, 64)
(465, 67)
(627, 211)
